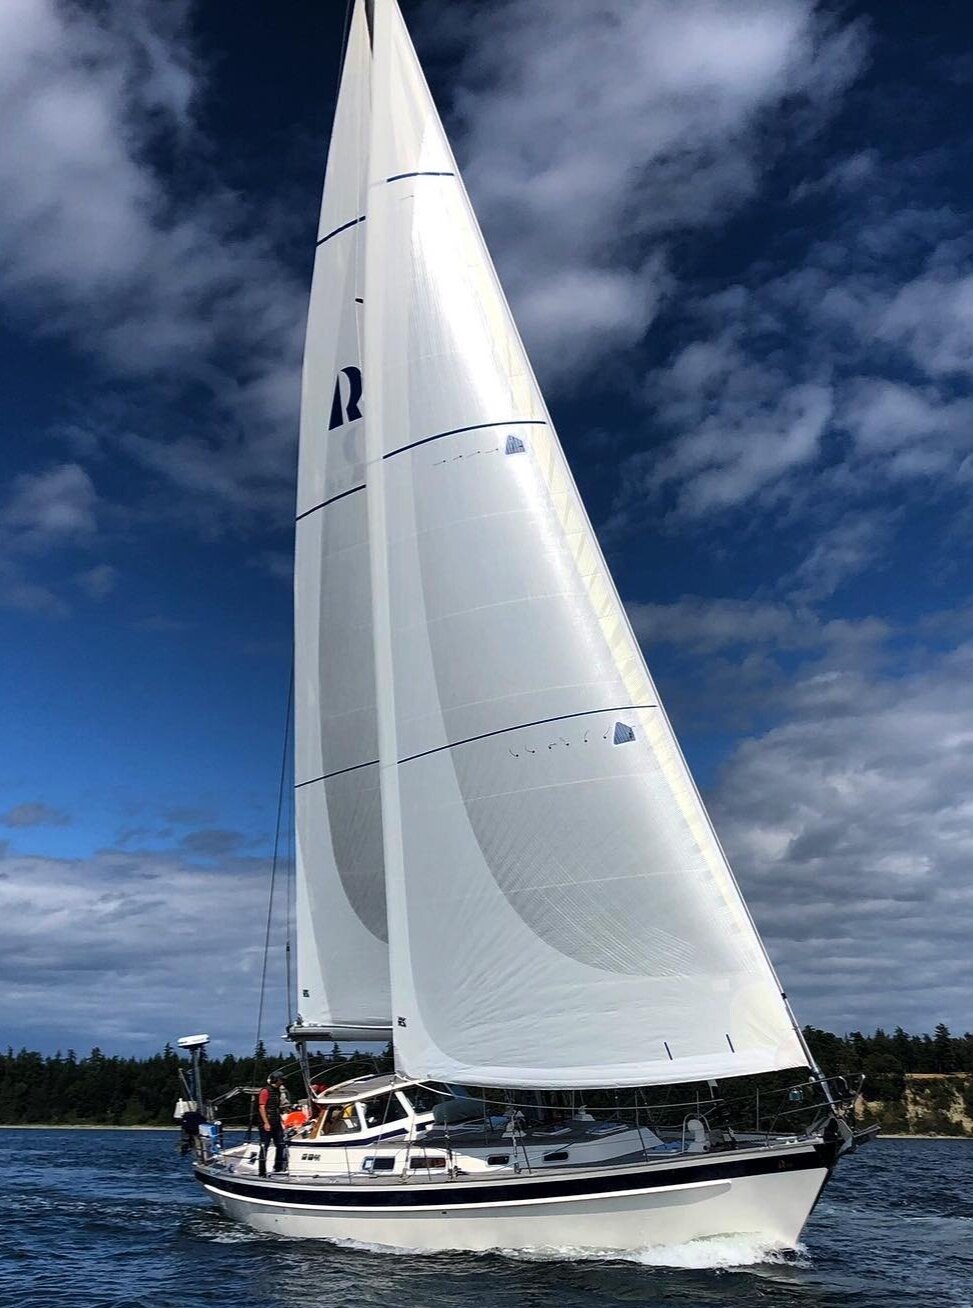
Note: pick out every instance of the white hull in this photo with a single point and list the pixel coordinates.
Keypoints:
(665, 1205)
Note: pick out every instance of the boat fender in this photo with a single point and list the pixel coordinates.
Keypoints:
(699, 1142)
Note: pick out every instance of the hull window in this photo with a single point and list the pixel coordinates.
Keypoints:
(378, 1165)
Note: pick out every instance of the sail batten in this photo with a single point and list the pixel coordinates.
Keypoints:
(560, 911)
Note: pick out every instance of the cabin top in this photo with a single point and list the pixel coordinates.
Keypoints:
(364, 1087)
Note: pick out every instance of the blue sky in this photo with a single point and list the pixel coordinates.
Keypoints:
(737, 241)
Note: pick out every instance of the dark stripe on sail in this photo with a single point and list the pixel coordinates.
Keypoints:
(458, 431)
(399, 177)
(372, 763)
(338, 230)
(522, 726)
(324, 503)
(457, 1194)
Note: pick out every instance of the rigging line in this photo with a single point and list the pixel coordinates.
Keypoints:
(522, 726)
(291, 873)
(345, 37)
(273, 867)
(349, 7)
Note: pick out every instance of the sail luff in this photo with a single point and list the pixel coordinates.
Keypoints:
(538, 815)
(342, 930)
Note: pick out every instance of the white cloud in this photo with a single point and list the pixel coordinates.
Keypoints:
(705, 625)
(34, 815)
(744, 448)
(590, 129)
(43, 512)
(98, 582)
(851, 173)
(931, 318)
(75, 965)
(20, 593)
(856, 542)
(850, 826)
(732, 665)
(846, 811)
(811, 393)
(163, 282)
(49, 509)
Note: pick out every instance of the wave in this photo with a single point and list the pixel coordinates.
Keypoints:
(716, 1253)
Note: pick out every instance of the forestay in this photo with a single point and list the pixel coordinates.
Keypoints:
(560, 911)
(341, 927)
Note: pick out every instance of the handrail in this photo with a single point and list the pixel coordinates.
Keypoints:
(776, 1108)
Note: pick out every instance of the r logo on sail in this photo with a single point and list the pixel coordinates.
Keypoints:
(344, 407)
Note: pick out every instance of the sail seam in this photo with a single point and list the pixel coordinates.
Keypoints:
(398, 177)
(324, 503)
(340, 773)
(458, 431)
(338, 230)
(522, 726)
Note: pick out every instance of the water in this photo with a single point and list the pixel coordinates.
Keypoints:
(112, 1219)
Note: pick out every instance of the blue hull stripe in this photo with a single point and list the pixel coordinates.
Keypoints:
(820, 1156)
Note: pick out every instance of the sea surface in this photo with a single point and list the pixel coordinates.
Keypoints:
(113, 1219)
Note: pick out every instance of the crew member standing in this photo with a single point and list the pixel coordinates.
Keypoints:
(271, 1126)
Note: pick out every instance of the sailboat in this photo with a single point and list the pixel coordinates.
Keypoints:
(504, 866)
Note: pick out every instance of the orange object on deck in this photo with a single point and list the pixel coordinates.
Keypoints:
(297, 1118)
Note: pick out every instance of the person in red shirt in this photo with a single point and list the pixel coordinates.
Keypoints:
(271, 1126)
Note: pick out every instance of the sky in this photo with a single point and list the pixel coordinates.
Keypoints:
(737, 241)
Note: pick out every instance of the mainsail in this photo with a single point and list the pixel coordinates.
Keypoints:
(560, 910)
(343, 981)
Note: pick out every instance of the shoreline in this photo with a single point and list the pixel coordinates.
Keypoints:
(893, 1135)
(77, 1126)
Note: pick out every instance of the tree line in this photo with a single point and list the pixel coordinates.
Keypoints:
(114, 1090)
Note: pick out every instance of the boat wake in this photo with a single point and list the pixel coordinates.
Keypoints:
(722, 1253)
(716, 1253)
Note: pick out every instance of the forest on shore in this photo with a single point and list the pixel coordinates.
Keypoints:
(913, 1083)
